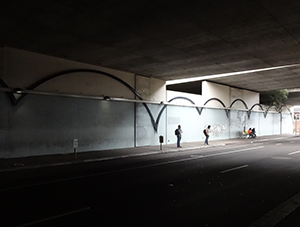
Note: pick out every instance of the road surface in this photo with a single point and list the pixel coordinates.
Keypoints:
(220, 186)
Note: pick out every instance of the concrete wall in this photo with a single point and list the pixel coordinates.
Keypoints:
(197, 99)
(251, 98)
(23, 68)
(151, 89)
(48, 124)
(212, 90)
(42, 124)
(224, 93)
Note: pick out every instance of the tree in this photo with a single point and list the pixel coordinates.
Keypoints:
(277, 98)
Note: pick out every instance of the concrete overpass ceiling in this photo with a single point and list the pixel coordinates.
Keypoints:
(170, 39)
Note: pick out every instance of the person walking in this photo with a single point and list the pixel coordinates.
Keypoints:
(178, 132)
(206, 133)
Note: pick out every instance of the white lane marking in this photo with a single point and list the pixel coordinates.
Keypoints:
(295, 152)
(262, 140)
(231, 152)
(236, 168)
(128, 169)
(281, 158)
(193, 156)
(278, 144)
(54, 217)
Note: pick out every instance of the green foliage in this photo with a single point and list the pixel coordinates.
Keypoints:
(278, 97)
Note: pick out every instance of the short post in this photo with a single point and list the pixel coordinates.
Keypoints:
(75, 145)
(161, 140)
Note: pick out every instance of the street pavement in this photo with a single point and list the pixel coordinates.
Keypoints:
(17, 164)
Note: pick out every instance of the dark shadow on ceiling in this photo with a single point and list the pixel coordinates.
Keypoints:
(190, 87)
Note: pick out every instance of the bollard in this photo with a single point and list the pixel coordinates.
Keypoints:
(161, 140)
(75, 145)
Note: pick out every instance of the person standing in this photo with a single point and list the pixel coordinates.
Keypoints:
(178, 132)
(207, 131)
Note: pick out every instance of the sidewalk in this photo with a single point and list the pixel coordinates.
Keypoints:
(13, 164)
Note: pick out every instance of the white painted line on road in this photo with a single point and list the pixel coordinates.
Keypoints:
(295, 152)
(133, 168)
(236, 168)
(278, 144)
(231, 152)
(196, 156)
(54, 217)
(281, 158)
(262, 140)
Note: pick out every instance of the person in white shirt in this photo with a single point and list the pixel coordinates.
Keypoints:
(207, 131)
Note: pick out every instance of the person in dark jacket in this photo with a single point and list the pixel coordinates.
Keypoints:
(252, 134)
(178, 134)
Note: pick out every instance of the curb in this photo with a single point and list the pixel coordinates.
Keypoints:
(170, 150)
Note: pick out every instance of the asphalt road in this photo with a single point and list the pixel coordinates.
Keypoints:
(220, 186)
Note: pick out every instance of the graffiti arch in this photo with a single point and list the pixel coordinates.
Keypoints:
(154, 122)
